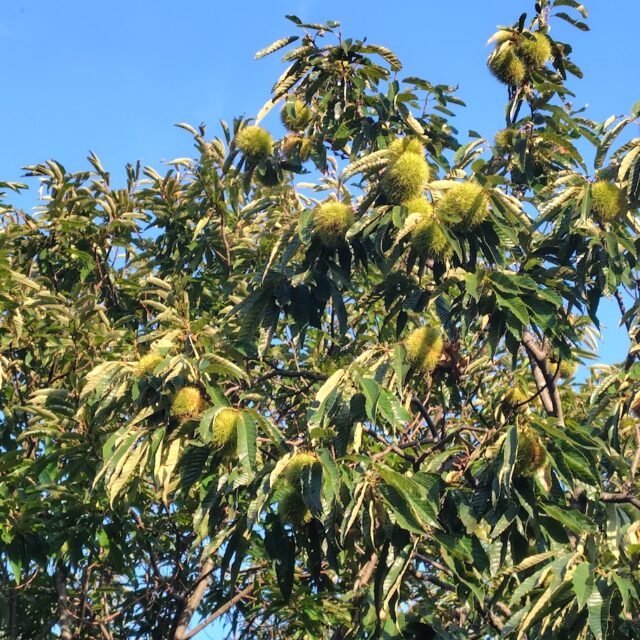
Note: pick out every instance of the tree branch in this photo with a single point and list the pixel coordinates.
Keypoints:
(390, 446)
(532, 346)
(291, 373)
(623, 309)
(366, 571)
(439, 445)
(425, 414)
(193, 602)
(541, 384)
(219, 612)
(421, 575)
(66, 630)
(544, 378)
(636, 457)
(620, 498)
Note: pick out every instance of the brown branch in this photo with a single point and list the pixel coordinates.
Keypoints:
(366, 571)
(85, 591)
(291, 373)
(541, 384)
(627, 323)
(421, 575)
(425, 414)
(425, 454)
(13, 615)
(193, 602)
(390, 446)
(636, 457)
(223, 234)
(219, 612)
(620, 498)
(152, 555)
(623, 309)
(504, 609)
(25, 583)
(479, 414)
(105, 632)
(434, 563)
(532, 346)
(66, 630)
(538, 359)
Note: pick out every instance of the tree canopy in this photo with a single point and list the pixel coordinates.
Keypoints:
(323, 384)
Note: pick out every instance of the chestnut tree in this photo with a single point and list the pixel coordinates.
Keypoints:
(323, 384)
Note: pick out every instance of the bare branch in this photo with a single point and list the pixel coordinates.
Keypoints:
(366, 571)
(532, 346)
(390, 446)
(636, 457)
(425, 414)
(193, 602)
(623, 309)
(291, 373)
(543, 377)
(219, 612)
(620, 498)
(66, 629)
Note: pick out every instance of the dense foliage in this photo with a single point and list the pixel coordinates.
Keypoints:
(323, 384)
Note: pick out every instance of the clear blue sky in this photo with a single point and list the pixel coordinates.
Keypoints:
(114, 77)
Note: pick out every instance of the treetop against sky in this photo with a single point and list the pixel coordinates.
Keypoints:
(323, 376)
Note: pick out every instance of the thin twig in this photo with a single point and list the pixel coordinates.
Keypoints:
(291, 373)
(425, 414)
(390, 446)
